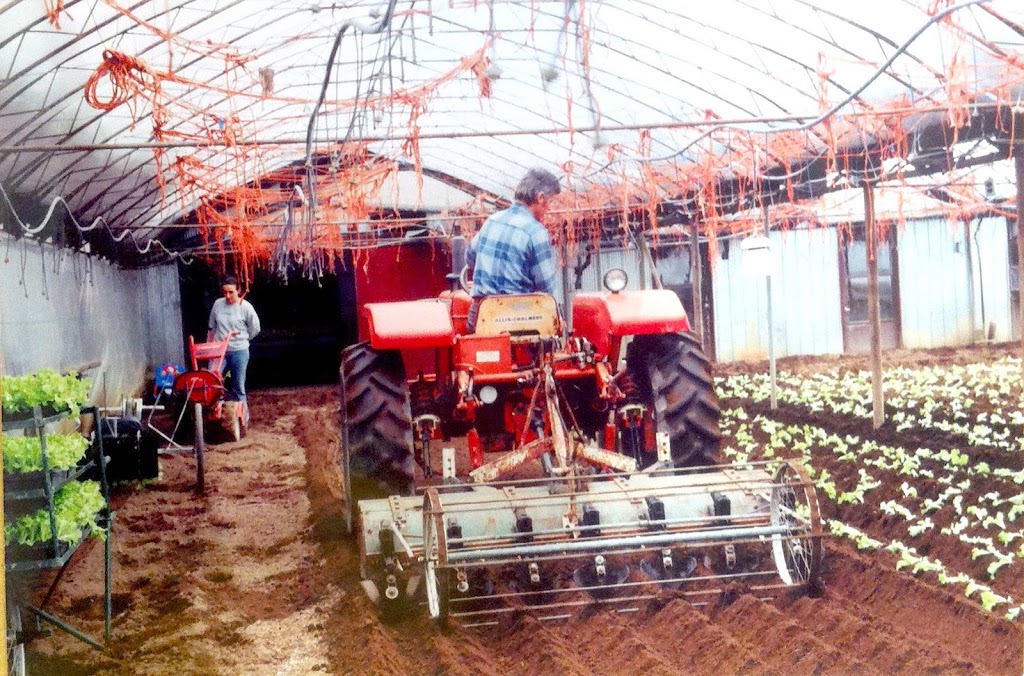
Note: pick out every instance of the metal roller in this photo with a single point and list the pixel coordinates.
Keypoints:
(484, 551)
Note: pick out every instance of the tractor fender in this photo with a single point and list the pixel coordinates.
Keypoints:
(409, 324)
(602, 318)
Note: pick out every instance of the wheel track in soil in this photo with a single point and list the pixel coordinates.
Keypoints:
(463, 654)
(558, 655)
(871, 619)
(614, 644)
(688, 636)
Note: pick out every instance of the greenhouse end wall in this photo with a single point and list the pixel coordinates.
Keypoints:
(65, 310)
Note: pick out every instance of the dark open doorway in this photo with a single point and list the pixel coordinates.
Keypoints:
(305, 322)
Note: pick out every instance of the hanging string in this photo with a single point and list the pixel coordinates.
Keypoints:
(53, 9)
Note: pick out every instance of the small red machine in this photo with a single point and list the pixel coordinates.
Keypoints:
(204, 385)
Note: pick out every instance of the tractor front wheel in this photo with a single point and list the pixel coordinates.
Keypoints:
(673, 378)
(376, 424)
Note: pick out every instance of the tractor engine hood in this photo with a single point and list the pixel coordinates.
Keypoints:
(599, 317)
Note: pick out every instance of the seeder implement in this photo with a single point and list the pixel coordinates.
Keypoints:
(619, 419)
(484, 551)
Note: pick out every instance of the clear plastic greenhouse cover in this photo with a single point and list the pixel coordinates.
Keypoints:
(277, 125)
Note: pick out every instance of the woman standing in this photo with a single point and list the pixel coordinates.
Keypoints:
(233, 318)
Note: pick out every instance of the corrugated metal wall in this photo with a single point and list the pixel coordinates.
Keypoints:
(935, 282)
(934, 289)
(62, 310)
(805, 299)
(993, 316)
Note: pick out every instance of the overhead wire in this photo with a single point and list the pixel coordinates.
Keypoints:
(839, 105)
(48, 220)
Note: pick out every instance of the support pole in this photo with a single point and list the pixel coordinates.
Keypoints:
(874, 308)
(772, 377)
(972, 303)
(696, 286)
(1018, 161)
(3, 568)
(64, 626)
(773, 397)
(566, 289)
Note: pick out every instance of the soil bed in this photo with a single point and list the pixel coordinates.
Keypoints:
(257, 577)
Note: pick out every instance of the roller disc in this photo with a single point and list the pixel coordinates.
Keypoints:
(654, 568)
(435, 557)
(794, 506)
(601, 586)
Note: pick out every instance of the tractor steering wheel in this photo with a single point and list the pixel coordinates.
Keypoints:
(464, 281)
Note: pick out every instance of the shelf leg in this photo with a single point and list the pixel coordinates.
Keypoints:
(63, 626)
(108, 566)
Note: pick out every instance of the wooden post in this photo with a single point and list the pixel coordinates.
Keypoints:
(696, 290)
(1018, 161)
(874, 308)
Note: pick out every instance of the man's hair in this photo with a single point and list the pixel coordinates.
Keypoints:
(229, 280)
(537, 182)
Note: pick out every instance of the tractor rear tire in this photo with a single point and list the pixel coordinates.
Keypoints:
(377, 438)
(673, 377)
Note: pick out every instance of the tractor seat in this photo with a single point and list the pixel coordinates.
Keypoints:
(527, 316)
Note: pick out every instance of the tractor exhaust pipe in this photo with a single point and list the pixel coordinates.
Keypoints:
(458, 249)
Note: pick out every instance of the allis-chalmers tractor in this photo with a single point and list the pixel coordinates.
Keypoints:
(527, 466)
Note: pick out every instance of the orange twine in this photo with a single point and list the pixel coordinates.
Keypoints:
(53, 9)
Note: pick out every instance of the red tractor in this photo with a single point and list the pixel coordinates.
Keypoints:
(580, 431)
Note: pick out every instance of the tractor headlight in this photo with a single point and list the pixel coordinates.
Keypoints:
(615, 280)
(488, 394)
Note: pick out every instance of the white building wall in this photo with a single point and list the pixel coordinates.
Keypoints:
(64, 310)
(805, 299)
(933, 282)
(991, 278)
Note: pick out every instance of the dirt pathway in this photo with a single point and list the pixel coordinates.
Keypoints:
(257, 578)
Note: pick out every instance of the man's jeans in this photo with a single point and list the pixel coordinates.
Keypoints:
(235, 364)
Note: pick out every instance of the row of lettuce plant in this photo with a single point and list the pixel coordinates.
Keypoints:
(45, 388)
(981, 402)
(24, 453)
(930, 480)
(75, 507)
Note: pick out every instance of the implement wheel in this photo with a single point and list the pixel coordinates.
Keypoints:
(435, 556)
(794, 506)
(673, 377)
(376, 425)
(200, 447)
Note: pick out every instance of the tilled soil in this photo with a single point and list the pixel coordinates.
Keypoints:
(257, 577)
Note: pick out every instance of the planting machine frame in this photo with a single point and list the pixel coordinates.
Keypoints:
(530, 466)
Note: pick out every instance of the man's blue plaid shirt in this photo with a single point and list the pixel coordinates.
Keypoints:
(511, 254)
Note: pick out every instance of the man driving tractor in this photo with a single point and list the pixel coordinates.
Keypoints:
(512, 253)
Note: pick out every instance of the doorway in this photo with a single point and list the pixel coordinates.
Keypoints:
(853, 272)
